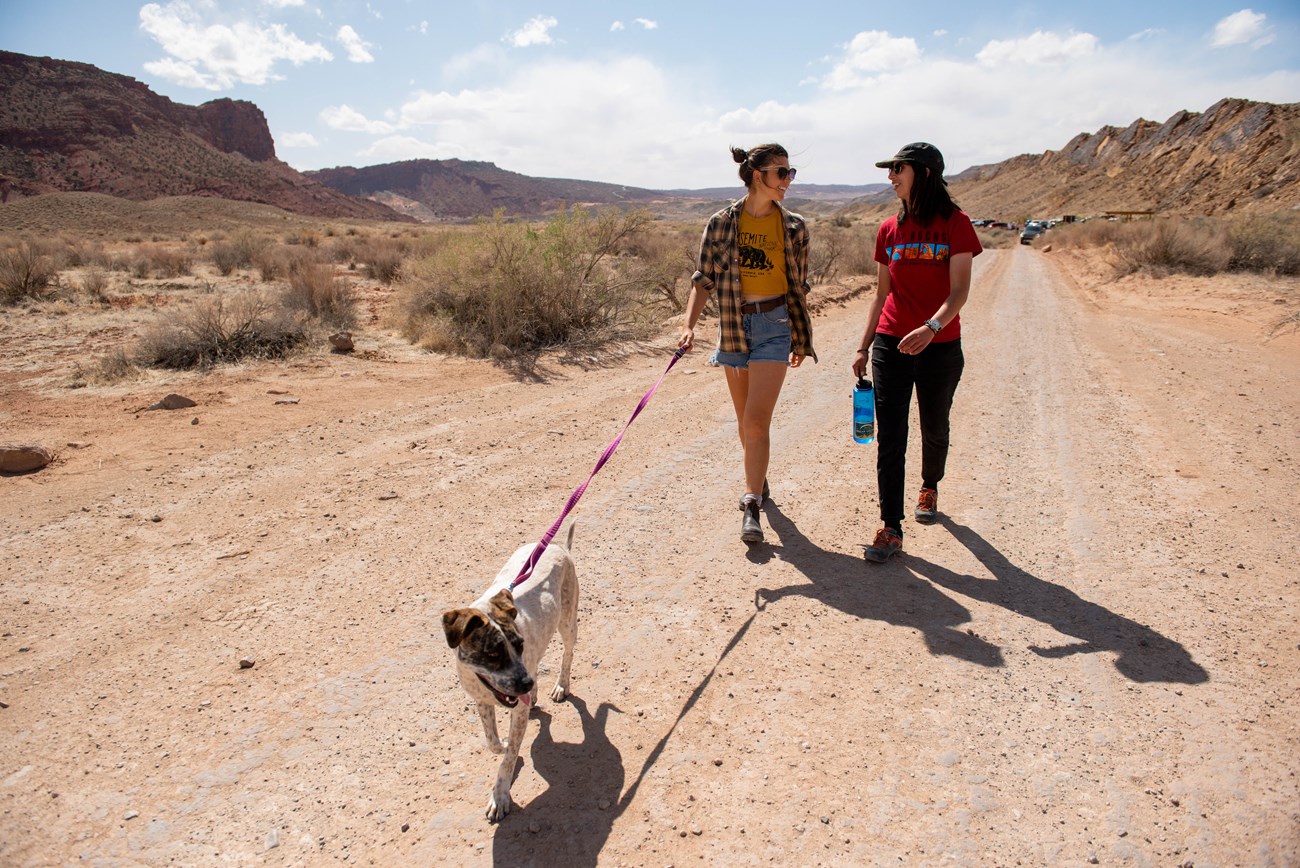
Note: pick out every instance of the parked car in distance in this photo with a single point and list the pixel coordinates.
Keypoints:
(1031, 231)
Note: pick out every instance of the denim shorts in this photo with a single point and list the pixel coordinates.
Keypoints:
(768, 336)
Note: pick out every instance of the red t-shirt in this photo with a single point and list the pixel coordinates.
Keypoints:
(917, 257)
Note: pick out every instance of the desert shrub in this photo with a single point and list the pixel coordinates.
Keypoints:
(661, 258)
(837, 250)
(1165, 246)
(26, 271)
(114, 367)
(218, 329)
(527, 288)
(1269, 243)
(381, 259)
(316, 291)
(169, 262)
(94, 283)
(238, 252)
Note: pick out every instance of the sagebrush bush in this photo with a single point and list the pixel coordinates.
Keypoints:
(1203, 246)
(217, 329)
(1266, 243)
(526, 288)
(26, 272)
(94, 283)
(838, 250)
(238, 252)
(315, 290)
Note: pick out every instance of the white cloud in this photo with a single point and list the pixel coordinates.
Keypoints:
(344, 117)
(298, 140)
(536, 32)
(358, 49)
(940, 32)
(284, 4)
(218, 56)
(647, 23)
(465, 63)
(394, 148)
(869, 53)
(1038, 49)
(617, 25)
(1242, 27)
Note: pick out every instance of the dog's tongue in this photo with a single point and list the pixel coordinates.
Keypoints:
(527, 699)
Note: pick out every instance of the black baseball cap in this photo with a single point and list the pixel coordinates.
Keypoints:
(921, 153)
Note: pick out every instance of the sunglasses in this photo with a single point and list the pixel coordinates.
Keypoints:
(897, 168)
(782, 172)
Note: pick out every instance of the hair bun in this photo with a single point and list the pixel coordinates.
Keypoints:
(739, 155)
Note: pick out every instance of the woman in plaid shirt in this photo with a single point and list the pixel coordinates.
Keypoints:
(755, 254)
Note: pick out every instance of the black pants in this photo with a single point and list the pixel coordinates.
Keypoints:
(935, 372)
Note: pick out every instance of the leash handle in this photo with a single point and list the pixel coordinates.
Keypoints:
(545, 541)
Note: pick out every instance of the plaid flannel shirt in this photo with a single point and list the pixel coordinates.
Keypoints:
(719, 266)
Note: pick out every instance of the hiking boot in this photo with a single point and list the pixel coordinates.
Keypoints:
(888, 541)
(750, 529)
(927, 505)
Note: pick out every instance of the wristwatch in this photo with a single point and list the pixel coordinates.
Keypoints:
(933, 325)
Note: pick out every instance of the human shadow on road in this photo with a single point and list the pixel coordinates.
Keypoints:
(888, 592)
(566, 824)
(1143, 654)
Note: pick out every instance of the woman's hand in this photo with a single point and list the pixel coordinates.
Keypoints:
(687, 340)
(796, 360)
(861, 361)
(916, 340)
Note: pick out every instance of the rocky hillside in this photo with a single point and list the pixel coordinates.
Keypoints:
(68, 126)
(456, 189)
(1237, 156)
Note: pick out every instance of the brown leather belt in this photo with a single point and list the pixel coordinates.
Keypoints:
(762, 306)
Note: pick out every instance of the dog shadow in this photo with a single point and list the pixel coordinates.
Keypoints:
(888, 592)
(1142, 654)
(569, 822)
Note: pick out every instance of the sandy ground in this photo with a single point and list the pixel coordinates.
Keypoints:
(1092, 658)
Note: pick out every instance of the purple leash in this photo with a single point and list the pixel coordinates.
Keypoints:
(578, 492)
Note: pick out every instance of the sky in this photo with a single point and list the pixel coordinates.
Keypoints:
(652, 94)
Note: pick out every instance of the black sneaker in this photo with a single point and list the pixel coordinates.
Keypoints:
(750, 529)
(927, 505)
(888, 541)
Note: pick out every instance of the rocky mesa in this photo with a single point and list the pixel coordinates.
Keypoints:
(67, 126)
(1237, 156)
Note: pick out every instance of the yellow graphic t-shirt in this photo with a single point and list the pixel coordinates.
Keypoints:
(762, 255)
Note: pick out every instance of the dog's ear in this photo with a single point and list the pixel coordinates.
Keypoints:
(459, 623)
(503, 605)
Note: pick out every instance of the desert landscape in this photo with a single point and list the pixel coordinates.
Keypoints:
(228, 544)
(221, 624)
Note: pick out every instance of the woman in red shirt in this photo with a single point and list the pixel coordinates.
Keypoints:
(913, 333)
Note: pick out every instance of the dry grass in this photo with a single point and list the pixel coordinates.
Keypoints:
(511, 288)
(1267, 244)
(27, 271)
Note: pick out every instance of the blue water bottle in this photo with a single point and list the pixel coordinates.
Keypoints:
(864, 411)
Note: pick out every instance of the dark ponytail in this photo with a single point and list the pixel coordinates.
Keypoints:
(929, 199)
(757, 157)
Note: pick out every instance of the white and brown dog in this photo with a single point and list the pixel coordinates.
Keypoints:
(499, 641)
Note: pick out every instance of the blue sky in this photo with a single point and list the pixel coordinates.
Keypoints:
(652, 93)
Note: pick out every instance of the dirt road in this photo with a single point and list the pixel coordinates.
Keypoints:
(1092, 658)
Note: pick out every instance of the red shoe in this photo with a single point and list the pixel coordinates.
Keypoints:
(927, 506)
(888, 541)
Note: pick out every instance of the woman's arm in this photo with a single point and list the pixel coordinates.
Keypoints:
(959, 271)
(883, 288)
(695, 303)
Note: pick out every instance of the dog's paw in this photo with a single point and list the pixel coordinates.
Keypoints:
(559, 693)
(498, 805)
